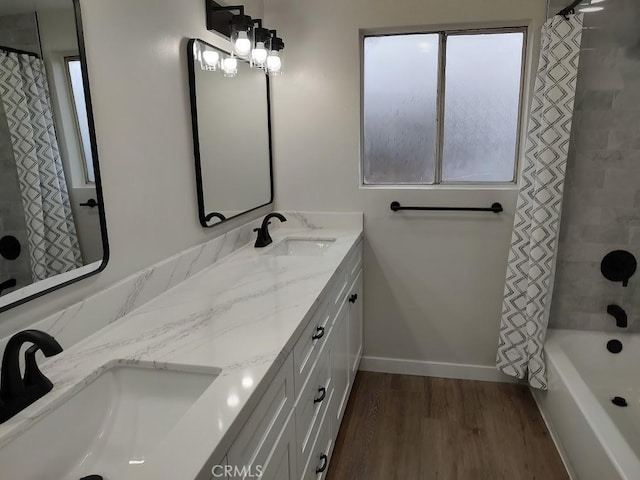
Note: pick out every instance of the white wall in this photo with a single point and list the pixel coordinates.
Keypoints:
(433, 281)
(138, 74)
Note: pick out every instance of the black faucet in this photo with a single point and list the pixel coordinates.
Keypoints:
(18, 393)
(264, 238)
(619, 314)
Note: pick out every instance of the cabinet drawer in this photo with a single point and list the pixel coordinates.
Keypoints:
(353, 263)
(338, 292)
(308, 346)
(317, 463)
(253, 445)
(281, 463)
(312, 401)
(220, 471)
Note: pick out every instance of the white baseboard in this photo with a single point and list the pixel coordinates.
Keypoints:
(434, 369)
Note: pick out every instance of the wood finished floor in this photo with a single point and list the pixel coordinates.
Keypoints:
(420, 428)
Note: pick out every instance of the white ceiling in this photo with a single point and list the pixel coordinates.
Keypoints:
(10, 7)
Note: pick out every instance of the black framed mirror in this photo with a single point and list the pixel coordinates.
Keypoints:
(231, 119)
(52, 221)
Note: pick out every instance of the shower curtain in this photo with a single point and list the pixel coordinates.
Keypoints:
(531, 264)
(53, 242)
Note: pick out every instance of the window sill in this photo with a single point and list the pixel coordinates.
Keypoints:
(503, 187)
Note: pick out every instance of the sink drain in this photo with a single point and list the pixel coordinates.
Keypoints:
(614, 346)
(619, 401)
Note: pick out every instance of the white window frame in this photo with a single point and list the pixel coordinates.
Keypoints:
(440, 99)
(86, 156)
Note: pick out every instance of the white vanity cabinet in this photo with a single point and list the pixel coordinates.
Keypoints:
(292, 431)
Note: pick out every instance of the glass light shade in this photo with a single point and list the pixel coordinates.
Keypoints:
(210, 60)
(259, 54)
(230, 66)
(242, 45)
(274, 63)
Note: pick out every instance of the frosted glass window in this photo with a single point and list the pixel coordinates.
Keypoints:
(481, 107)
(400, 109)
(442, 107)
(80, 109)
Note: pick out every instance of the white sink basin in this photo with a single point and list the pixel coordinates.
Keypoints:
(309, 247)
(107, 428)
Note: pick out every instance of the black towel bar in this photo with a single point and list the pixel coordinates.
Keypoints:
(495, 208)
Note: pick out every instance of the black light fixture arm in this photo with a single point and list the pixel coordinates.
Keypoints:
(220, 22)
(569, 9)
(276, 42)
(222, 8)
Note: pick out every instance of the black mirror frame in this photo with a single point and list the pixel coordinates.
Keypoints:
(203, 216)
(96, 168)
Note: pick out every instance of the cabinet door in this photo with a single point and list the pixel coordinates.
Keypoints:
(355, 325)
(317, 464)
(340, 362)
(254, 444)
(280, 465)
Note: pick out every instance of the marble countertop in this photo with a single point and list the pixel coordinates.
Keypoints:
(242, 315)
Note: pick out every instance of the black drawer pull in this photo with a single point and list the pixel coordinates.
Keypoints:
(319, 334)
(323, 393)
(325, 461)
(353, 298)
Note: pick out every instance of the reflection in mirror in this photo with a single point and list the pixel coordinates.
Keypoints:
(51, 214)
(231, 133)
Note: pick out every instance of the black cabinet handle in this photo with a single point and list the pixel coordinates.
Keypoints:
(319, 334)
(89, 203)
(323, 393)
(353, 298)
(325, 461)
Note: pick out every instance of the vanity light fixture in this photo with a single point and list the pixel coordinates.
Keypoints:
(274, 60)
(259, 54)
(241, 33)
(238, 27)
(250, 40)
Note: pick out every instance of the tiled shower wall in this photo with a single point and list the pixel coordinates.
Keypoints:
(20, 32)
(601, 210)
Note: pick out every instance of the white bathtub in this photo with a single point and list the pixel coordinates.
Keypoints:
(597, 440)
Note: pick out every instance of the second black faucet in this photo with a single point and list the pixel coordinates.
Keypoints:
(264, 238)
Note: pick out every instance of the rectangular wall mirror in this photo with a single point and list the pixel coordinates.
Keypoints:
(52, 223)
(231, 135)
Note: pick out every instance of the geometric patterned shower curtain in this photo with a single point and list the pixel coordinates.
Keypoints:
(534, 242)
(53, 242)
